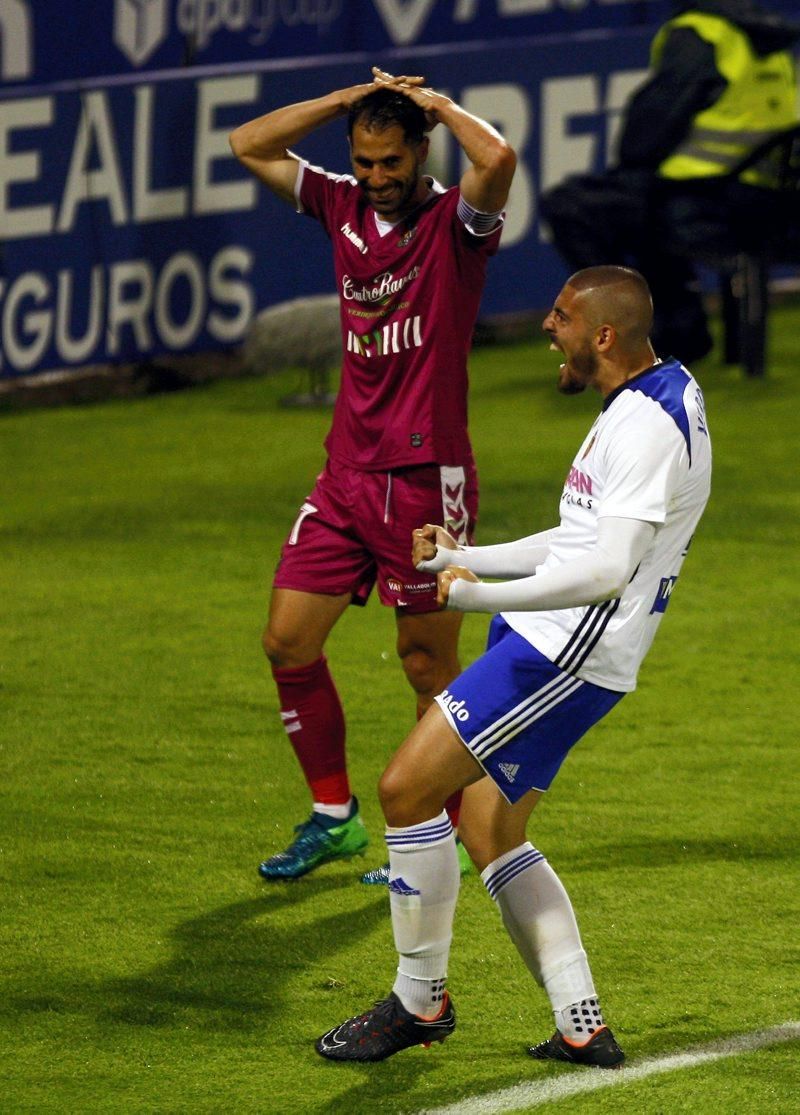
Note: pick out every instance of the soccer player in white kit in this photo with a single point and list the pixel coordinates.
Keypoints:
(573, 618)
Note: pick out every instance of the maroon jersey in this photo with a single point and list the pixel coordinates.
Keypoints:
(409, 300)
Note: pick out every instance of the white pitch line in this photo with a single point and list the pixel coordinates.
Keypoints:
(523, 1097)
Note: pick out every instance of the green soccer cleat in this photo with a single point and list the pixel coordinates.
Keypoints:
(319, 840)
(379, 876)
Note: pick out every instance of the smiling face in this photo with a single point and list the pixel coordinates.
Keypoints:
(389, 170)
(571, 334)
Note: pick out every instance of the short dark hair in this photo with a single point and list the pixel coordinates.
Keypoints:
(386, 109)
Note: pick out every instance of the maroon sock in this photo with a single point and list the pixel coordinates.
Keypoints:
(314, 722)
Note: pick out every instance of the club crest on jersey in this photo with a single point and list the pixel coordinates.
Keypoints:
(409, 236)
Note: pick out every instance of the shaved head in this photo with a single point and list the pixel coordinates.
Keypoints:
(601, 323)
(616, 296)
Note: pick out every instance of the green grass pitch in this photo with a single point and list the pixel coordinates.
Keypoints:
(146, 968)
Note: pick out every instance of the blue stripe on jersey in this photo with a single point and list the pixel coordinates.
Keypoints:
(664, 384)
(495, 883)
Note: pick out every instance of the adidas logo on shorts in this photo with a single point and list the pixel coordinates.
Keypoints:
(510, 770)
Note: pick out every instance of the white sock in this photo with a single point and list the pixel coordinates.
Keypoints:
(538, 915)
(339, 812)
(580, 1020)
(423, 888)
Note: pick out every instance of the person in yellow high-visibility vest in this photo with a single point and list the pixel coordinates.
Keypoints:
(723, 80)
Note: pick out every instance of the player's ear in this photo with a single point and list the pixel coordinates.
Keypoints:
(422, 150)
(604, 337)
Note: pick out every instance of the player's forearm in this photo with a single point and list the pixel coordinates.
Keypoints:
(268, 137)
(506, 559)
(487, 181)
(482, 144)
(600, 574)
(572, 585)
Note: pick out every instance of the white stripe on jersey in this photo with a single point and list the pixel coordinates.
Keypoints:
(298, 182)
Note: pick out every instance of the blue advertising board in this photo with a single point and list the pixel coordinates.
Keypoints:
(130, 230)
(47, 41)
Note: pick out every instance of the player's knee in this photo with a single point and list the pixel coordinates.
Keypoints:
(400, 797)
(284, 651)
(426, 673)
(272, 646)
(417, 666)
(391, 788)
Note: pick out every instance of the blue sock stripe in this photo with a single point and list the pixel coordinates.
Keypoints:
(503, 876)
(432, 832)
(425, 837)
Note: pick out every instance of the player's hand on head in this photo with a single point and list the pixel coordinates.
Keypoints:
(414, 88)
(348, 97)
(445, 579)
(428, 100)
(381, 77)
(380, 80)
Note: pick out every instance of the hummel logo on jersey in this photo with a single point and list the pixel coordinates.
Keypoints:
(510, 770)
(354, 238)
(400, 886)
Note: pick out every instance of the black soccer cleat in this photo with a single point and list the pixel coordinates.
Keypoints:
(384, 1031)
(601, 1051)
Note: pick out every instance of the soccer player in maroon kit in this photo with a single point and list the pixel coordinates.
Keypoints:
(410, 260)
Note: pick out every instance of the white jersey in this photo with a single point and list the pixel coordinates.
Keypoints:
(648, 457)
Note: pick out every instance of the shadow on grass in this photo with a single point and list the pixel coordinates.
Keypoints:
(393, 1086)
(399, 1086)
(232, 964)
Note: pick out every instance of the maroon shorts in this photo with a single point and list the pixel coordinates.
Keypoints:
(355, 530)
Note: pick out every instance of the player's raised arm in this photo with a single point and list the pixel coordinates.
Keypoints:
(486, 182)
(262, 144)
